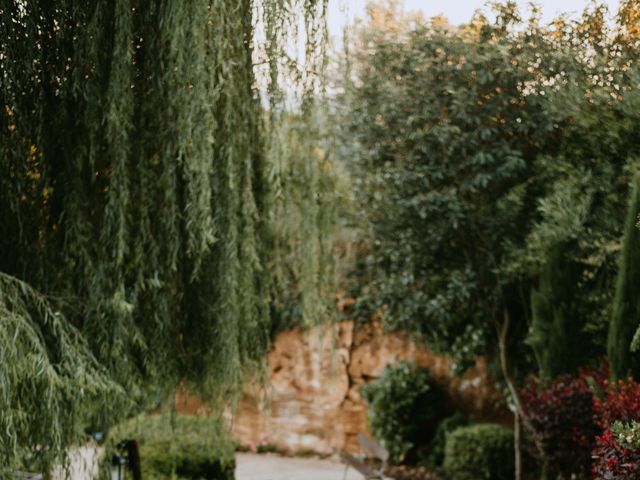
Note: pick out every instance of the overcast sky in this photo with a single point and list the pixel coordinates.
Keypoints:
(457, 11)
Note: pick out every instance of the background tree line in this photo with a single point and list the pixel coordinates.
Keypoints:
(495, 164)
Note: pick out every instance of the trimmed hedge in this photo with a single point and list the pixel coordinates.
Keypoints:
(185, 447)
(480, 452)
(433, 455)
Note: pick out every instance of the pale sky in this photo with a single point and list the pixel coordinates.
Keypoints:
(456, 11)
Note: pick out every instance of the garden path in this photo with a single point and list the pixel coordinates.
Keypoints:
(273, 467)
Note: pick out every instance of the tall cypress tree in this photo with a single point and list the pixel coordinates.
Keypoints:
(626, 306)
(556, 328)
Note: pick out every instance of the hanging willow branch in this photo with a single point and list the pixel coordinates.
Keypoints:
(139, 179)
(49, 378)
(305, 191)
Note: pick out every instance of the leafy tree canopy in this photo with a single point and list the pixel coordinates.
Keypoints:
(479, 149)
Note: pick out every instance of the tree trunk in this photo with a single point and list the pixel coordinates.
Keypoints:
(502, 345)
(517, 445)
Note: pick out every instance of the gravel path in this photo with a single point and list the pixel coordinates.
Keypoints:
(274, 467)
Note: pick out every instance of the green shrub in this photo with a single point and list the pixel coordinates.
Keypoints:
(479, 452)
(185, 447)
(433, 455)
(405, 405)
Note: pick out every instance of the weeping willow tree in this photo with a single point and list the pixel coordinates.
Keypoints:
(308, 195)
(141, 192)
(49, 379)
(303, 176)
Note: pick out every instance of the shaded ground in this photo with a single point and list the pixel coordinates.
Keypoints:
(410, 473)
(273, 467)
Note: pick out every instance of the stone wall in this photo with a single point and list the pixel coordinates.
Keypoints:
(312, 401)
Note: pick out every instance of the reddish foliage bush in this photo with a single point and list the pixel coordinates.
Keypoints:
(621, 403)
(571, 419)
(612, 460)
(561, 414)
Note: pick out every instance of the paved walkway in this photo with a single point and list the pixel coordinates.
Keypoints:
(273, 467)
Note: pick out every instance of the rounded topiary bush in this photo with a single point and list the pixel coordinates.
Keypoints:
(479, 452)
(405, 406)
(433, 454)
(177, 448)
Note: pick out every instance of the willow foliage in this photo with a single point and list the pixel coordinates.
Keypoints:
(46, 359)
(138, 181)
(306, 203)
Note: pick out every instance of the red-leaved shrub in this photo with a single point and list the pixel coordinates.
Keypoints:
(621, 403)
(572, 417)
(561, 414)
(612, 460)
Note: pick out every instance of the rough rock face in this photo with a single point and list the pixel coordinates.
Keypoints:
(312, 401)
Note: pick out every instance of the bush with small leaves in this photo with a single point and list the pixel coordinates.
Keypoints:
(613, 460)
(405, 405)
(433, 455)
(620, 402)
(627, 434)
(617, 451)
(561, 414)
(480, 452)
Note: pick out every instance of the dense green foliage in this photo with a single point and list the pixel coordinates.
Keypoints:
(627, 434)
(46, 360)
(556, 322)
(436, 121)
(493, 165)
(626, 306)
(304, 221)
(405, 406)
(142, 190)
(177, 447)
(494, 144)
(479, 452)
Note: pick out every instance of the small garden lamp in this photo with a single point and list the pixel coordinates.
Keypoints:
(118, 467)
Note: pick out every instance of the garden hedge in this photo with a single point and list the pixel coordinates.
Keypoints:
(179, 448)
(479, 452)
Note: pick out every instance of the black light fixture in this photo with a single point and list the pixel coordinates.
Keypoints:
(118, 466)
(126, 458)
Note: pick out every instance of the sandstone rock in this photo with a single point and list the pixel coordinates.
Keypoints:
(313, 396)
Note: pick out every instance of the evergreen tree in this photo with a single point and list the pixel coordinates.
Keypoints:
(557, 327)
(626, 306)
